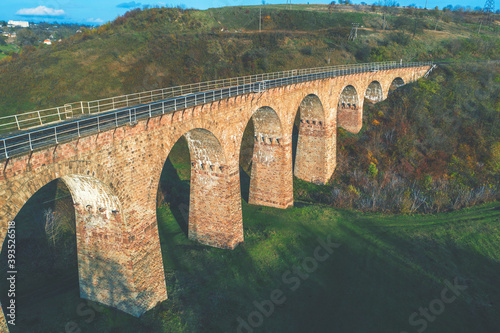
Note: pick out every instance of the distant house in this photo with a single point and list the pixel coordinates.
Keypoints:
(22, 24)
(47, 42)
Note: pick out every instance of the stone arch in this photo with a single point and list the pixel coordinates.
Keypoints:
(374, 92)
(103, 267)
(316, 143)
(271, 177)
(214, 204)
(105, 242)
(350, 110)
(395, 84)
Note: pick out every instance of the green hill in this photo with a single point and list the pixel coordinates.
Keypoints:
(161, 47)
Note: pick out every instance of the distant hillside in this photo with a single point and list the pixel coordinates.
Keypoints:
(161, 47)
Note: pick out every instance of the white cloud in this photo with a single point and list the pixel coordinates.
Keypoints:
(97, 20)
(41, 11)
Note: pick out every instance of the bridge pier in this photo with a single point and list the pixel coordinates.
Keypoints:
(110, 271)
(215, 216)
(271, 182)
(350, 119)
(316, 155)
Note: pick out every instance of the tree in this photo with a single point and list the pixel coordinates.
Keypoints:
(331, 5)
(26, 37)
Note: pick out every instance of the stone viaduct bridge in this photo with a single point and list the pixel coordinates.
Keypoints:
(113, 174)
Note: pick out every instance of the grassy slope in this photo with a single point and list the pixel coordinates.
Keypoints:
(386, 268)
(163, 47)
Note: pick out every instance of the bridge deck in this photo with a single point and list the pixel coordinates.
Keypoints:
(23, 142)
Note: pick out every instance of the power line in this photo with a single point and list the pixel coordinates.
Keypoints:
(260, 19)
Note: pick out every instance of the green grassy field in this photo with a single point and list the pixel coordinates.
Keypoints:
(6, 49)
(385, 269)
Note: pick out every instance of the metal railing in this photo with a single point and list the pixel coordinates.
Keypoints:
(32, 119)
(187, 97)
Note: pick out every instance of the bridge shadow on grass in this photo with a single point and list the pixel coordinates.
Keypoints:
(385, 269)
(373, 282)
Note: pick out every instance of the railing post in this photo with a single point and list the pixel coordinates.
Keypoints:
(17, 121)
(40, 117)
(149, 110)
(78, 127)
(55, 134)
(116, 119)
(130, 115)
(5, 148)
(31, 145)
(59, 113)
(175, 104)
(185, 102)
(113, 103)
(163, 107)
(126, 99)
(81, 106)
(98, 127)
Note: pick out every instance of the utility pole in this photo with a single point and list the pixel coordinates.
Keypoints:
(385, 8)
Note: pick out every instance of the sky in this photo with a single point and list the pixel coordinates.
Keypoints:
(96, 12)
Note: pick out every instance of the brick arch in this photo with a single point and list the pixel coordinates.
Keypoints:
(205, 149)
(100, 224)
(374, 92)
(19, 195)
(271, 182)
(214, 207)
(316, 144)
(395, 83)
(350, 109)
